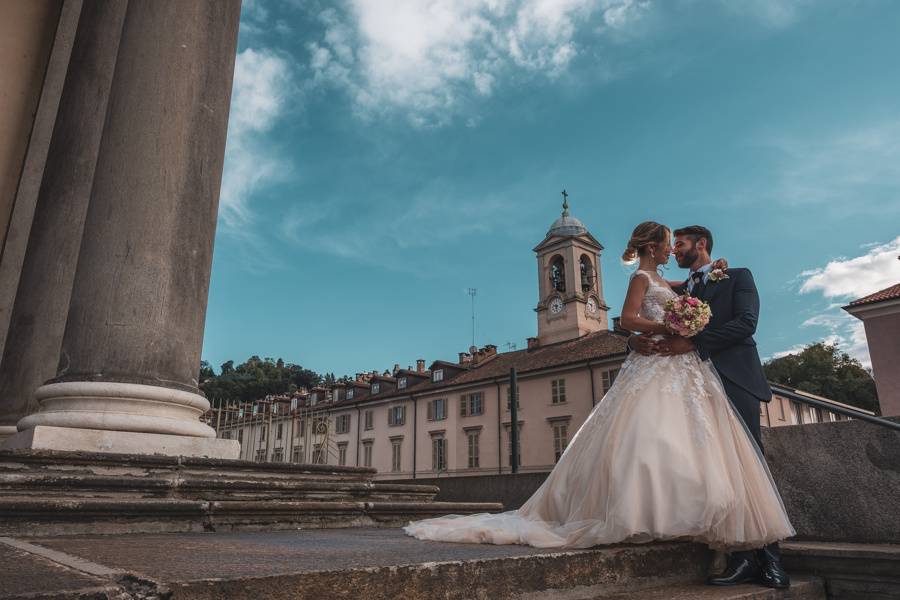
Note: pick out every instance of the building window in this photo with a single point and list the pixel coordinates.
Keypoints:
(781, 415)
(438, 453)
(437, 409)
(350, 393)
(818, 414)
(395, 455)
(509, 396)
(560, 439)
(297, 454)
(474, 453)
(509, 445)
(587, 273)
(798, 415)
(367, 453)
(368, 414)
(342, 424)
(263, 432)
(318, 455)
(342, 454)
(471, 404)
(226, 435)
(607, 379)
(558, 391)
(397, 415)
(314, 398)
(278, 455)
(280, 431)
(241, 436)
(401, 383)
(437, 375)
(260, 456)
(376, 387)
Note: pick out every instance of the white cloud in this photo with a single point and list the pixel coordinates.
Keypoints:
(427, 58)
(262, 85)
(847, 279)
(851, 278)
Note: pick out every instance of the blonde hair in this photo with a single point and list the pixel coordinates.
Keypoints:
(644, 235)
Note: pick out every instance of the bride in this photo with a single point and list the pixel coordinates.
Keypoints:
(663, 456)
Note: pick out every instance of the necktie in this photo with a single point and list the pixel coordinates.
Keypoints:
(696, 279)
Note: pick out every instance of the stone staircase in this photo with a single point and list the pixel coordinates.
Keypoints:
(50, 493)
(368, 563)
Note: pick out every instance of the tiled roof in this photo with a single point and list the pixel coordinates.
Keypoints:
(601, 344)
(890, 293)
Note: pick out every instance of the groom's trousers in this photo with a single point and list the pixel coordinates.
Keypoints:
(747, 405)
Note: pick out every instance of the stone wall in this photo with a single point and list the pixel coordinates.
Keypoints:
(839, 481)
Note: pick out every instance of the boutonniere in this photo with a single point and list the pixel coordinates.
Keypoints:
(718, 275)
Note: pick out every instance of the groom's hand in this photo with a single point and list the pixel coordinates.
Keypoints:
(672, 345)
(642, 344)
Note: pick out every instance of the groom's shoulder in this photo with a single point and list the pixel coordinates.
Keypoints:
(740, 273)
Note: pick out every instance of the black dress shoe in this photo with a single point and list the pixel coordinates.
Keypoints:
(772, 574)
(740, 570)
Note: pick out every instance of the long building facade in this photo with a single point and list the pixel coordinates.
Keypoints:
(453, 417)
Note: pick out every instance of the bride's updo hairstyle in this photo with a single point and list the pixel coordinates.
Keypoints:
(643, 236)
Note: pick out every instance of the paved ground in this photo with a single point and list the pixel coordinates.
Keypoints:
(192, 556)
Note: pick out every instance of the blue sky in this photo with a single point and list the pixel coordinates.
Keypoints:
(384, 156)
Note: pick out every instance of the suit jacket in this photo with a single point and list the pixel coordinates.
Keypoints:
(728, 338)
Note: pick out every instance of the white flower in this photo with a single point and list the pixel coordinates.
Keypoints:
(718, 275)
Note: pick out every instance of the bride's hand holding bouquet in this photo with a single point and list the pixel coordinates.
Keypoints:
(686, 316)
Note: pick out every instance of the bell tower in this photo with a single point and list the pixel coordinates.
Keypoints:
(570, 289)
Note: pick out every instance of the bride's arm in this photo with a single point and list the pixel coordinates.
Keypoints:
(631, 318)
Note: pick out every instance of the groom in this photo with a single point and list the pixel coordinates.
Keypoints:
(728, 341)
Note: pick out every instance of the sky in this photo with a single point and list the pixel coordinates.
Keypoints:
(384, 156)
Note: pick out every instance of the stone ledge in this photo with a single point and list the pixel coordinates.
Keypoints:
(67, 439)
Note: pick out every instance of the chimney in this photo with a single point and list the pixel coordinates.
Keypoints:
(533, 343)
(420, 365)
(464, 358)
(473, 349)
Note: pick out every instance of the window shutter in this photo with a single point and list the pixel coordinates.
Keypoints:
(463, 401)
(431, 410)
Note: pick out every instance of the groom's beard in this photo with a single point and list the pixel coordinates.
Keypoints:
(687, 259)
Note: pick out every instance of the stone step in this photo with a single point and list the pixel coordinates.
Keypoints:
(141, 466)
(851, 571)
(50, 493)
(375, 564)
(37, 515)
(802, 588)
(203, 487)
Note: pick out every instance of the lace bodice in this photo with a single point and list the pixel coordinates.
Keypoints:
(653, 305)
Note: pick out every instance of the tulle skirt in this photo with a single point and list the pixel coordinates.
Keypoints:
(663, 456)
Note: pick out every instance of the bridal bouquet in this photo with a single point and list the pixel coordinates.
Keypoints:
(686, 316)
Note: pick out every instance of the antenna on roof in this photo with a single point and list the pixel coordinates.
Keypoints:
(510, 346)
(472, 292)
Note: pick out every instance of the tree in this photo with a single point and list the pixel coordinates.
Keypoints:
(255, 378)
(824, 370)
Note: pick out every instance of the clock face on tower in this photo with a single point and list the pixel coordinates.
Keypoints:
(591, 306)
(556, 306)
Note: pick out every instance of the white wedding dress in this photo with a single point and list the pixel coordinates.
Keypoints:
(663, 456)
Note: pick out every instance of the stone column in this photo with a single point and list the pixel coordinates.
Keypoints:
(51, 238)
(127, 374)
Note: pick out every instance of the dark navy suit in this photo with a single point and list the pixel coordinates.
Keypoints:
(728, 342)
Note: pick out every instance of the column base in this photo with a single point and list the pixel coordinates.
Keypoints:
(7, 431)
(69, 439)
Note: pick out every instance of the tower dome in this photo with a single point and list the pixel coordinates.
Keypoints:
(566, 225)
